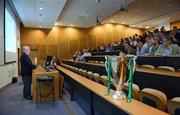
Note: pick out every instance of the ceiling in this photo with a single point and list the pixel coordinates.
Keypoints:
(83, 13)
(38, 13)
(147, 13)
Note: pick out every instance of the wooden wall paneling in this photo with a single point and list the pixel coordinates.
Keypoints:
(52, 36)
(64, 41)
(42, 53)
(52, 50)
(115, 33)
(40, 36)
(27, 35)
(108, 33)
(177, 23)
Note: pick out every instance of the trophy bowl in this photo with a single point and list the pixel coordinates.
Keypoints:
(118, 71)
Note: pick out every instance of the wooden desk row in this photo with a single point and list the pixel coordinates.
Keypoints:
(172, 61)
(135, 107)
(165, 81)
(139, 69)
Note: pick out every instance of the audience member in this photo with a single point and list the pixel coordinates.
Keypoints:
(167, 48)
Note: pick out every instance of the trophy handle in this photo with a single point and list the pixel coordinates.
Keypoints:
(132, 64)
(122, 74)
(108, 69)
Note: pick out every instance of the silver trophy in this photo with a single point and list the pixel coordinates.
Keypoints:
(118, 71)
(116, 67)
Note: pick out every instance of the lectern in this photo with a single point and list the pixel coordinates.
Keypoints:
(39, 71)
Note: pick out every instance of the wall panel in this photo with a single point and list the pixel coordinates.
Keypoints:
(64, 41)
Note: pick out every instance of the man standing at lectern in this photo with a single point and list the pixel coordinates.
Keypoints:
(26, 72)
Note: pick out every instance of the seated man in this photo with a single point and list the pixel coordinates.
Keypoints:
(167, 48)
(140, 50)
(85, 53)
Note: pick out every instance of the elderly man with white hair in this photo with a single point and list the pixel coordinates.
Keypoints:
(26, 72)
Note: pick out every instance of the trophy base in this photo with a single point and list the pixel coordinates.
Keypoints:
(119, 95)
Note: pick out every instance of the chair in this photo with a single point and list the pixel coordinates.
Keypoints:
(89, 74)
(173, 106)
(178, 70)
(101, 62)
(135, 90)
(80, 71)
(103, 80)
(154, 98)
(76, 70)
(96, 61)
(167, 68)
(147, 66)
(45, 80)
(95, 77)
(84, 73)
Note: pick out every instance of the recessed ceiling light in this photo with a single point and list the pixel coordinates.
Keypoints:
(98, 1)
(41, 8)
(147, 27)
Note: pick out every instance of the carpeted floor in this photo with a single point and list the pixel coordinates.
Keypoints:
(13, 103)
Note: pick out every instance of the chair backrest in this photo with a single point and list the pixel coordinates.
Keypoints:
(135, 90)
(167, 68)
(89, 74)
(101, 62)
(95, 77)
(80, 71)
(103, 80)
(84, 73)
(173, 106)
(147, 66)
(154, 98)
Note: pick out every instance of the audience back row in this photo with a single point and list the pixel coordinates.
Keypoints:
(156, 43)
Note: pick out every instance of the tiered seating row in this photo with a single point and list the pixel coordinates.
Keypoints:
(146, 60)
(158, 97)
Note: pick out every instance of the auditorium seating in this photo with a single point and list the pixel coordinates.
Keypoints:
(135, 89)
(90, 74)
(147, 66)
(154, 98)
(168, 68)
(173, 106)
(103, 80)
(150, 96)
(95, 77)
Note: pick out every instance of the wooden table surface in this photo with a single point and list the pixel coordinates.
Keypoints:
(135, 107)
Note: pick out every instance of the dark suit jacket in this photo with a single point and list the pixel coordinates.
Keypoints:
(26, 65)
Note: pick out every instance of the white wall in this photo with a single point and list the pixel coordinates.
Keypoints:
(7, 71)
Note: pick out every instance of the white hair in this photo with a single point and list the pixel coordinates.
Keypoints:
(26, 49)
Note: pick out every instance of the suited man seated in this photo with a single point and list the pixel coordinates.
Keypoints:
(26, 72)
